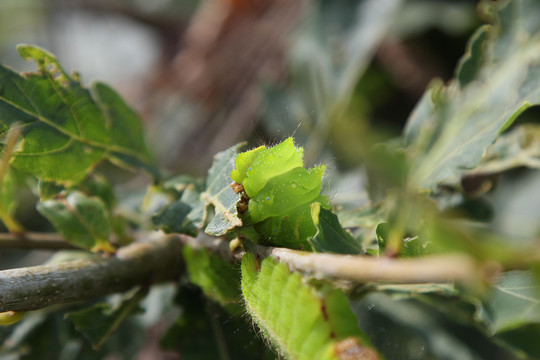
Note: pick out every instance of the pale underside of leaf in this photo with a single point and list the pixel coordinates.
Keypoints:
(518, 147)
(220, 194)
(464, 119)
(515, 301)
(476, 118)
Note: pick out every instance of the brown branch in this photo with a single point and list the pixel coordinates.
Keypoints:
(430, 269)
(160, 259)
(31, 241)
(141, 263)
(433, 269)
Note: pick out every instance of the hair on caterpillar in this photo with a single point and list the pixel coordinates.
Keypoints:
(257, 138)
(271, 136)
(274, 140)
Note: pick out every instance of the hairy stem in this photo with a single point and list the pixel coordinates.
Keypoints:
(432, 269)
(141, 263)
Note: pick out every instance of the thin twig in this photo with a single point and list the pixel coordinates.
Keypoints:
(429, 269)
(432, 269)
(32, 240)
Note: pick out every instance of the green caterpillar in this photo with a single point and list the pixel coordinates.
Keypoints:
(279, 195)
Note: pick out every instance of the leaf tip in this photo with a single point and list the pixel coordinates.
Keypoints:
(11, 317)
(32, 52)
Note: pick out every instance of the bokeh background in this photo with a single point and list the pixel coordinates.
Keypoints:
(207, 74)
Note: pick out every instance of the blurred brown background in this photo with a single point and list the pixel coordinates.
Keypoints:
(207, 74)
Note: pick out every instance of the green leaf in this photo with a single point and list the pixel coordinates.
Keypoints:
(98, 322)
(425, 327)
(362, 224)
(182, 182)
(98, 185)
(82, 220)
(464, 121)
(192, 196)
(422, 123)
(524, 340)
(301, 321)
(515, 301)
(220, 194)
(205, 331)
(8, 182)
(174, 219)
(518, 147)
(411, 247)
(66, 129)
(186, 214)
(48, 334)
(470, 64)
(387, 168)
(124, 128)
(331, 237)
(48, 189)
(217, 277)
(7, 200)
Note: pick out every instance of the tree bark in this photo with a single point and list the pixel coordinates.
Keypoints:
(142, 263)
